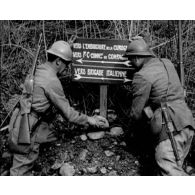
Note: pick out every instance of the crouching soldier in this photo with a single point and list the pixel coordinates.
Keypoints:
(29, 124)
(158, 94)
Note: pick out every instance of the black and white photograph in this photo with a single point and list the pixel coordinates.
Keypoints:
(97, 97)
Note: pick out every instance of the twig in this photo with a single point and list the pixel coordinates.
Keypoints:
(4, 128)
(44, 39)
(116, 27)
(98, 29)
(130, 30)
(2, 53)
(85, 109)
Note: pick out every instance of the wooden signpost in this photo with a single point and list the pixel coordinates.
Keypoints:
(100, 61)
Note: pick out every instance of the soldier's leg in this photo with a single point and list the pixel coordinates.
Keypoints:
(23, 164)
(188, 136)
(165, 157)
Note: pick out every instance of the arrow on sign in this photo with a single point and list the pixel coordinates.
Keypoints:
(126, 63)
(78, 77)
(127, 80)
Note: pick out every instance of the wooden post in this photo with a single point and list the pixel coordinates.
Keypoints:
(103, 100)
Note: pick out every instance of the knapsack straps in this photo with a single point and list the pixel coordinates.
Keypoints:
(168, 83)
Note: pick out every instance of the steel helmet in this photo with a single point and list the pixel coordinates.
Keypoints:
(61, 49)
(138, 47)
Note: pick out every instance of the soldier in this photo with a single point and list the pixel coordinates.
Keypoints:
(153, 80)
(47, 92)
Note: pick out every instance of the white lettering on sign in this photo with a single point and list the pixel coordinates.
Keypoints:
(108, 47)
(116, 73)
(80, 71)
(95, 72)
(86, 54)
(96, 55)
(77, 46)
(76, 54)
(114, 56)
(120, 47)
(94, 46)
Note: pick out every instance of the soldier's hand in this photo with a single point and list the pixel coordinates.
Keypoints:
(101, 122)
(91, 121)
(98, 121)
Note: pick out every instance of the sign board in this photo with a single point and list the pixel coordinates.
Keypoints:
(99, 61)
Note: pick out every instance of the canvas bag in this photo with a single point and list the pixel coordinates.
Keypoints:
(14, 127)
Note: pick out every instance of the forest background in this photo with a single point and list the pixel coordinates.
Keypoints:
(19, 42)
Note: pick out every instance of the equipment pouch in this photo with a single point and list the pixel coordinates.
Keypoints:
(14, 127)
(24, 133)
(148, 112)
(156, 122)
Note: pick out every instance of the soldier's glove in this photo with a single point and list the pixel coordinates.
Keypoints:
(98, 121)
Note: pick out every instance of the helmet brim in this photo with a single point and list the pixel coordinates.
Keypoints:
(58, 55)
(127, 54)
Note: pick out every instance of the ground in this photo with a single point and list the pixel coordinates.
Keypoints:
(106, 156)
(73, 155)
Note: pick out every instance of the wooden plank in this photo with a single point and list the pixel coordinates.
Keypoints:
(103, 100)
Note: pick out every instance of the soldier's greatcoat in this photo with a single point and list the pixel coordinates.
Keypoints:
(150, 84)
(47, 92)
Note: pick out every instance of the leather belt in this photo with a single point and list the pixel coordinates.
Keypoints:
(34, 114)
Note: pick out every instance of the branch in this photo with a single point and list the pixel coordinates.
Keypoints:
(18, 47)
(174, 37)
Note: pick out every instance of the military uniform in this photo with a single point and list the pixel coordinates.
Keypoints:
(149, 85)
(48, 91)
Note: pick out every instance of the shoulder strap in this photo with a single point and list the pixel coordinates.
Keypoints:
(40, 117)
(167, 76)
